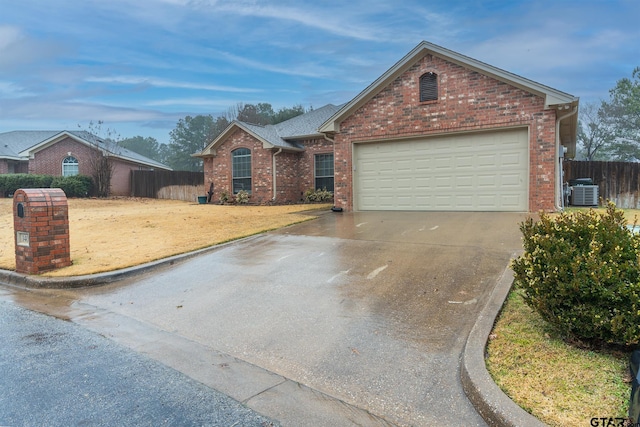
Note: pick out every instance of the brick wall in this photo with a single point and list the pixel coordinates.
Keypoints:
(287, 169)
(307, 161)
(467, 101)
(218, 169)
(294, 170)
(48, 161)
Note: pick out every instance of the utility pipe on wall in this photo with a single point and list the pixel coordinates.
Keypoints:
(273, 169)
(559, 196)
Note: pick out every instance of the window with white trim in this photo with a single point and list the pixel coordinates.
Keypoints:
(70, 166)
(324, 171)
(241, 170)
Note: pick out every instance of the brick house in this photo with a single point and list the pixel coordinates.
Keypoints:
(437, 131)
(274, 163)
(62, 153)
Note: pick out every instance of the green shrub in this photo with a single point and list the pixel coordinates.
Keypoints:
(9, 183)
(74, 186)
(318, 196)
(580, 272)
(242, 197)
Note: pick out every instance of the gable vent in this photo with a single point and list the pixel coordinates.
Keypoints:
(429, 87)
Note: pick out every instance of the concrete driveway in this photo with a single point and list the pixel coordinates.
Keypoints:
(350, 319)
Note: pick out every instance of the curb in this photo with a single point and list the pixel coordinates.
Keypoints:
(11, 278)
(495, 407)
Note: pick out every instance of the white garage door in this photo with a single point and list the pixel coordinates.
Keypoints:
(485, 171)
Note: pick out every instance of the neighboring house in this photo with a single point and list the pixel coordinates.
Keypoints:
(64, 153)
(437, 131)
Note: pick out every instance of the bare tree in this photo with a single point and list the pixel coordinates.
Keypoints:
(595, 133)
(105, 146)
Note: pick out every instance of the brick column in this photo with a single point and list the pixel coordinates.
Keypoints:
(41, 227)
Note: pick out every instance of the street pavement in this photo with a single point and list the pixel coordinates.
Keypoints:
(56, 373)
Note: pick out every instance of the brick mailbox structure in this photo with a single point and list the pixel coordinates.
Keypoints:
(41, 225)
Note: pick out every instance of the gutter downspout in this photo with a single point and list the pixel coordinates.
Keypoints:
(273, 168)
(559, 196)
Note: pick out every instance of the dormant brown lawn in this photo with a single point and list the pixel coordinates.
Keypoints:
(109, 234)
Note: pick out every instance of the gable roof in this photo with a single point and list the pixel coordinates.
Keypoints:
(14, 142)
(19, 145)
(552, 97)
(284, 135)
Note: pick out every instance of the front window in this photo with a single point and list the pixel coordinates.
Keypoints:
(70, 166)
(324, 172)
(241, 166)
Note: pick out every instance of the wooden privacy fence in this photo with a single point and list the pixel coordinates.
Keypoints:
(174, 185)
(616, 181)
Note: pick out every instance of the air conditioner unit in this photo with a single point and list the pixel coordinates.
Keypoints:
(584, 195)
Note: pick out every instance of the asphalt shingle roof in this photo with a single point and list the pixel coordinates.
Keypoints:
(306, 124)
(14, 142)
(285, 134)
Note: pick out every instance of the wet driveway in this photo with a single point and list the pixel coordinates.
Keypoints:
(367, 311)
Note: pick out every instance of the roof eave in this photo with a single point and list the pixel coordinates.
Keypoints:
(568, 131)
(300, 137)
(290, 149)
(140, 162)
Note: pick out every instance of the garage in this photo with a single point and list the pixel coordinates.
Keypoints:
(479, 171)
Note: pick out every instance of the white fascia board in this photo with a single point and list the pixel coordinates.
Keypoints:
(43, 144)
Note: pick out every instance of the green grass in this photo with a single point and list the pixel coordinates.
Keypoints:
(560, 384)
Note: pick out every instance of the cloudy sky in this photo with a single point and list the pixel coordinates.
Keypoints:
(141, 65)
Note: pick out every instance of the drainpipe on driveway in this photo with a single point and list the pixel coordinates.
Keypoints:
(273, 168)
(559, 196)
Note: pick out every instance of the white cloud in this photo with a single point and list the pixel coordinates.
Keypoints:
(150, 81)
(12, 90)
(35, 109)
(16, 48)
(9, 35)
(194, 102)
(314, 18)
(307, 69)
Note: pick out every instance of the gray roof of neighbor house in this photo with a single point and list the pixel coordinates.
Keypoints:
(286, 135)
(13, 143)
(17, 145)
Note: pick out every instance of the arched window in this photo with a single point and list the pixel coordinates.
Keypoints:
(429, 87)
(70, 166)
(241, 170)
